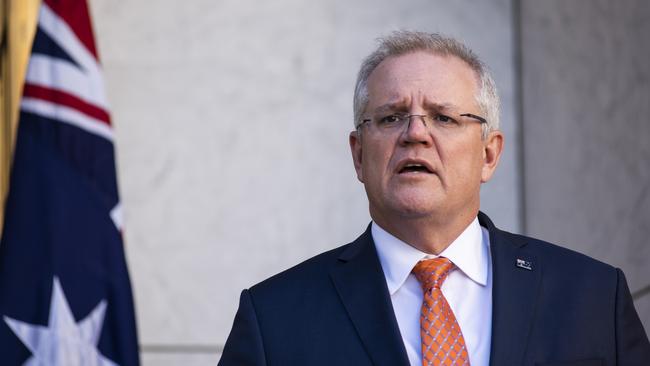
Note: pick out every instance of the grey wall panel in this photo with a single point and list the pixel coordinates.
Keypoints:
(180, 358)
(586, 77)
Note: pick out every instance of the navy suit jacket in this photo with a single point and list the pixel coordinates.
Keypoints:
(335, 309)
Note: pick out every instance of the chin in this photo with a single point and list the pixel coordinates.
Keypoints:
(415, 206)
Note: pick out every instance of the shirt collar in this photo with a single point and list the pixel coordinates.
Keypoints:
(467, 252)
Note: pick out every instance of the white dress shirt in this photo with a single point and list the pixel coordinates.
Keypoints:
(468, 289)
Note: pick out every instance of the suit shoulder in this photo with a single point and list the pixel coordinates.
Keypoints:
(306, 273)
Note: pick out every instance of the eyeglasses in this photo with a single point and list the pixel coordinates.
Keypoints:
(396, 121)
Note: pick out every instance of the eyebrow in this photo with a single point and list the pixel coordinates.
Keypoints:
(402, 105)
(441, 106)
(391, 107)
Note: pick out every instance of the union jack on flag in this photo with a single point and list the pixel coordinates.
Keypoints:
(65, 294)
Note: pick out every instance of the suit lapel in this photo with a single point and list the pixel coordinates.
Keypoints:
(361, 285)
(515, 287)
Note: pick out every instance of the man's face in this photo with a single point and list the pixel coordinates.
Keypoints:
(420, 171)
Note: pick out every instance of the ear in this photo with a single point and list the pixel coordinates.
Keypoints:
(492, 149)
(357, 153)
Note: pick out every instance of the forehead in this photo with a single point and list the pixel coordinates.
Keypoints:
(421, 77)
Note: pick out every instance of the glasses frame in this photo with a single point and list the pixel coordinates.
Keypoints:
(409, 116)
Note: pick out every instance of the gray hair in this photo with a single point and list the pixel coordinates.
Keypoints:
(403, 42)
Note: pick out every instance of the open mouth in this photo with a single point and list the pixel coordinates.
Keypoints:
(415, 168)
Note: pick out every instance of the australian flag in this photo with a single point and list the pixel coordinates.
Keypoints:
(65, 296)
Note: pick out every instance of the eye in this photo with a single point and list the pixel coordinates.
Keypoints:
(391, 119)
(444, 120)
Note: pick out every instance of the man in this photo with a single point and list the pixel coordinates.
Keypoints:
(432, 281)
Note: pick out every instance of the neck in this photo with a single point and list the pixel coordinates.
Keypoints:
(430, 234)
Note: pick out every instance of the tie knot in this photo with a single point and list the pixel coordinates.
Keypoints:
(432, 272)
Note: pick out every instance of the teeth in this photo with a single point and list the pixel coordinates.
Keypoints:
(413, 165)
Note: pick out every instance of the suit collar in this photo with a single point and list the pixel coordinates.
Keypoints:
(360, 283)
(516, 281)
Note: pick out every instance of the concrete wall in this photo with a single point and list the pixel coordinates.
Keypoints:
(232, 119)
(586, 104)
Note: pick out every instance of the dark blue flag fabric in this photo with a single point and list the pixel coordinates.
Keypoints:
(65, 295)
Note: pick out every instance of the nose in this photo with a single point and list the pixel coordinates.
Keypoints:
(416, 131)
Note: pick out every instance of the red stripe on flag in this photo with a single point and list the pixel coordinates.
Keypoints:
(75, 13)
(68, 100)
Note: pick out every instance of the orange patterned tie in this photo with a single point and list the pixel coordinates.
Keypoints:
(442, 339)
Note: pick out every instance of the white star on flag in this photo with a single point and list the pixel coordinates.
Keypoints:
(63, 342)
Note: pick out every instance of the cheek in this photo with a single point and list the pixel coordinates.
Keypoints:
(465, 162)
(474, 168)
(375, 162)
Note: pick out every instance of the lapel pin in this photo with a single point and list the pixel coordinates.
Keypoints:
(524, 264)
